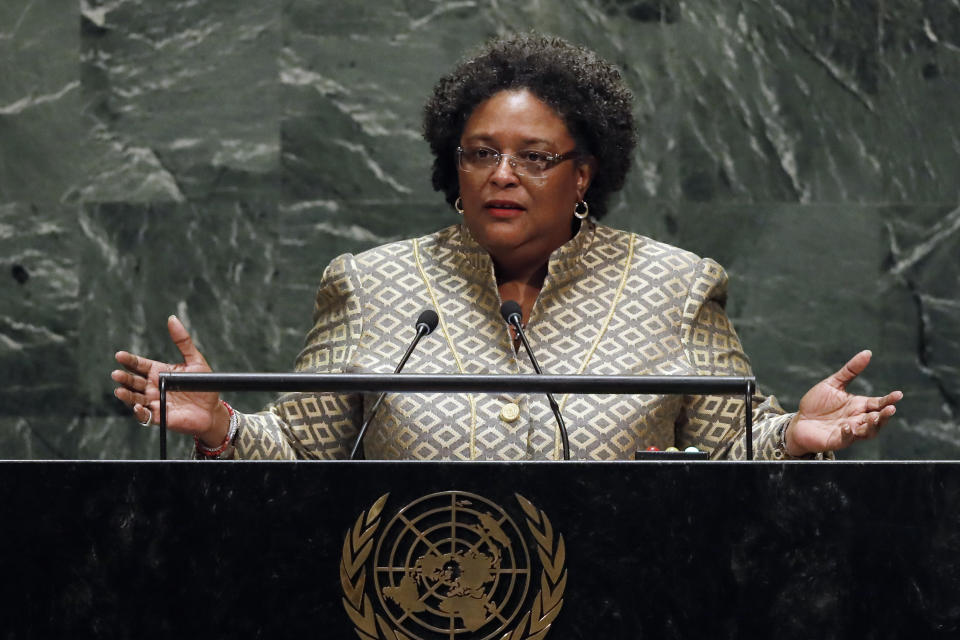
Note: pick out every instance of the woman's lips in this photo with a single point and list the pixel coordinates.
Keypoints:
(504, 208)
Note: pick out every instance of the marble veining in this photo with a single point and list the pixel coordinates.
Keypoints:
(210, 158)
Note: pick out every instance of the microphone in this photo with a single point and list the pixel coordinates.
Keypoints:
(426, 323)
(510, 310)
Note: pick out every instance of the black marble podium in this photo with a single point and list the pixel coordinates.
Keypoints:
(650, 549)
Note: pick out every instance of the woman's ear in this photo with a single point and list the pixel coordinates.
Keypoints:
(585, 168)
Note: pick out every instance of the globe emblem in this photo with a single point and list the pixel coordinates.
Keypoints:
(452, 565)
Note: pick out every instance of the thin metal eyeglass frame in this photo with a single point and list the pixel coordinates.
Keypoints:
(555, 159)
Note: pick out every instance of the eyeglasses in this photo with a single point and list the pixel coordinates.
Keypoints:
(532, 164)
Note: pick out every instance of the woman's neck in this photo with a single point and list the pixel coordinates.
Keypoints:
(529, 274)
(527, 263)
(523, 287)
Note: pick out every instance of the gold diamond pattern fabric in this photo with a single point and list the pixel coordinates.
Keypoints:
(613, 303)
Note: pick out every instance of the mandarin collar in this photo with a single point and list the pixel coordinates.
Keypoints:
(565, 263)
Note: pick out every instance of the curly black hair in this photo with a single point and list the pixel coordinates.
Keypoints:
(585, 91)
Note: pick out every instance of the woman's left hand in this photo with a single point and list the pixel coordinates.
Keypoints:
(829, 418)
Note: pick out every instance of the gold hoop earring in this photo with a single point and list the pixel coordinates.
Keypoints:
(581, 214)
(458, 205)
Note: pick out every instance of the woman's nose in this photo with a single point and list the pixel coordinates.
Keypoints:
(503, 173)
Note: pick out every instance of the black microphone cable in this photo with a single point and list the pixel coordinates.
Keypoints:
(511, 312)
(426, 323)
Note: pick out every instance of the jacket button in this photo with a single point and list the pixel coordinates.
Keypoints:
(509, 412)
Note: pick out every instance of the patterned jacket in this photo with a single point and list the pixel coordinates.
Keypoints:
(612, 303)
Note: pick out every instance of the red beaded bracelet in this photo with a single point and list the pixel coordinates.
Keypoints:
(206, 451)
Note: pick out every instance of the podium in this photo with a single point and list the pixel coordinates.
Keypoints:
(468, 550)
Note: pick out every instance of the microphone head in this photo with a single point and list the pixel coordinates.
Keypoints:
(429, 319)
(509, 309)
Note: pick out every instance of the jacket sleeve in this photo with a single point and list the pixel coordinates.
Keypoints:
(716, 423)
(314, 425)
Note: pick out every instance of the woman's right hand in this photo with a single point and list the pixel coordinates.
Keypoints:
(199, 414)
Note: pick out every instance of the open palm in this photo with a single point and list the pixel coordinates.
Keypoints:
(187, 412)
(829, 418)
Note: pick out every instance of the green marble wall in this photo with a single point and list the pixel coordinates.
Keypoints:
(209, 158)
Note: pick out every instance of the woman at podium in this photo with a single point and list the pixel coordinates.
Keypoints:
(530, 138)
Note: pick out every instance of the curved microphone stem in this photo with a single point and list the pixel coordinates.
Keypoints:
(425, 325)
(515, 320)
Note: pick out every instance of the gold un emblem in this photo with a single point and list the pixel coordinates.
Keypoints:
(451, 566)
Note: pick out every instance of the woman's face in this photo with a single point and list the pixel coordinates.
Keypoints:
(518, 218)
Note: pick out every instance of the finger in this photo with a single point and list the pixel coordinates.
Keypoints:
(125, 396)
(886, 413)
(143, 414)
(130, 398)
(846, 436)
(876, 404)
(877, 417)
(154, 406)
(852, 369)
(867, 426)
(870, 424)
(180, 337)
(130, 381)
(135, 363)
(865, 432)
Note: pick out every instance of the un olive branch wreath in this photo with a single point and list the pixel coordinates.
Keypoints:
(546, 606)
(358, 544)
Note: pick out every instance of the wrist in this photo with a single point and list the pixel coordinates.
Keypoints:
(219, 427)
(789, 443)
